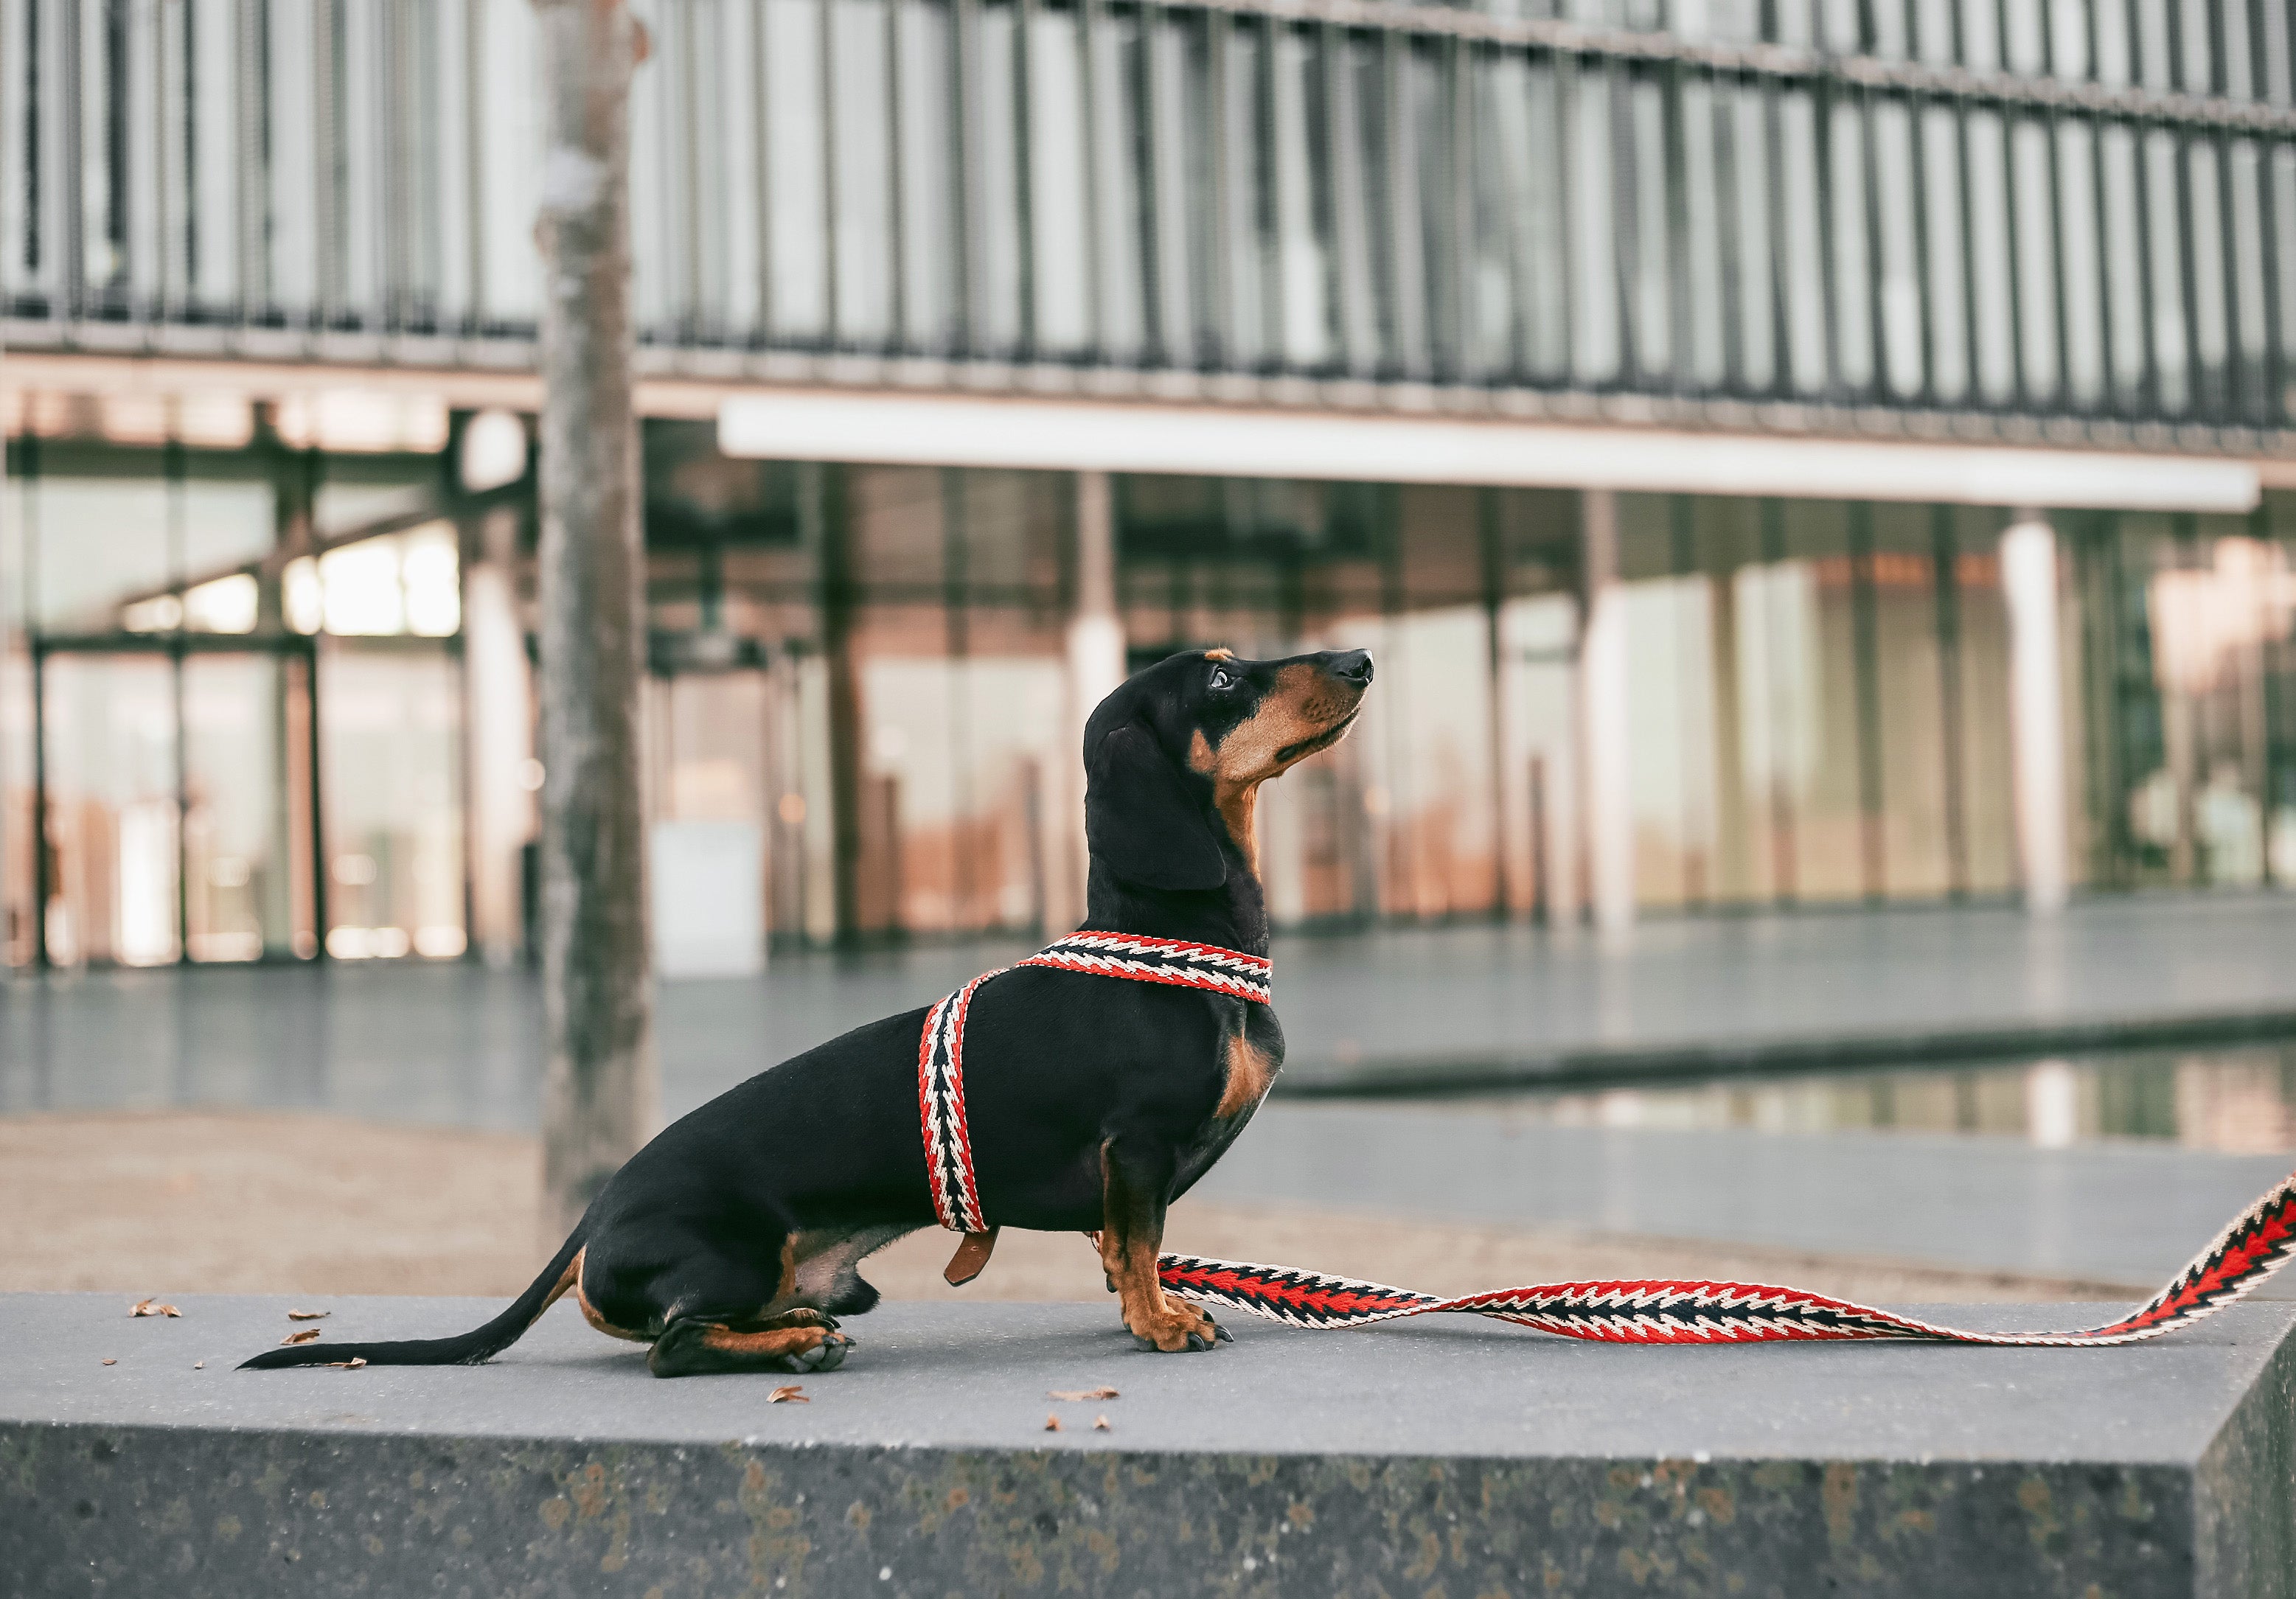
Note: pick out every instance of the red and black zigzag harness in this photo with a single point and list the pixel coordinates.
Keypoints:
(2257, 1244)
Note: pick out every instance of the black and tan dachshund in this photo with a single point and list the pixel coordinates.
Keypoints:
(732, 1241)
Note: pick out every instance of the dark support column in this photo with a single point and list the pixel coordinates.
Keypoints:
(1945, 581)
(821, 506)
(1866, 652)
(1489, 507)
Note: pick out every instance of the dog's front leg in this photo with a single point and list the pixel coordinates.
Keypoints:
(1133, 1186)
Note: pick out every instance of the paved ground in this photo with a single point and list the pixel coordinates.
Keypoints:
(1400, 1010)
(275, 1201)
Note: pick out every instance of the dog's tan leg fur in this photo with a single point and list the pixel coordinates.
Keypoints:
(1131, 1237)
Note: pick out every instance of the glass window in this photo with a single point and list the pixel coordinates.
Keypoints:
(1801, 264)
(113, 819)
(1759, 234)
(239, 870)
(2211, 343)
(390, 739)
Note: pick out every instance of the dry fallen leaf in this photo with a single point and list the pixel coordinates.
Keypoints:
(1100, 1425)
(1084, 1393)
(307, 1315)
(793, 1394)
(151, 1307)
(199, 1365)
(352, 1365)
(109, 1361)
(1051, 1423)
(305, 1336)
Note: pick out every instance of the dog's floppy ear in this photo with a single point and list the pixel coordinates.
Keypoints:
(1140, 818)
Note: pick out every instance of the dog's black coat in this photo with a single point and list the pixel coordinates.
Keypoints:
(1092, 1102)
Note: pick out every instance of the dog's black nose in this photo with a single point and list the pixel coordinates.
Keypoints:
(1352, 666)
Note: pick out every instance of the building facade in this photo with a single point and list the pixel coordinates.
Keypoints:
(1803, 453)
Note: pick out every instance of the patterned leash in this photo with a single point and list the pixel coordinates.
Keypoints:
(2257, 1244)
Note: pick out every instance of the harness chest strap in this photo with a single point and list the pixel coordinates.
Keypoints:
(2257, 1243)
(940, 1058)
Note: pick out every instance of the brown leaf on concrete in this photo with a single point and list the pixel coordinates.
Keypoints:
(352, 1365)
(793, 1394)
(108, 1360)
(1100, 1425)
(151, 1307)
(305, 1336)
(307, 1315)
(1051, 1423)
(1084, 1393)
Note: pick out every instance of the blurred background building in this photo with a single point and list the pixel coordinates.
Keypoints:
(1804, 452)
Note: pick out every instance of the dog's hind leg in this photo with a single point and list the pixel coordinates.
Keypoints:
(691, 1344)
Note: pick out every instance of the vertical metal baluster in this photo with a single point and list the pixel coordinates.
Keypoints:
(683, 100)
(2199, 396)
(1675, 163)
(2272, 411)
(2107, 331)
(965, 209)
(761, 177)
(1459, 77)
(1267, 211)
(2238, 379)
(1918, 174)
(1829, 284)
(1879, 389)
(832, 322)
(1095, 310)
(474, 316)
(1214, 349)
(1324, 132)
(1730, 239)
(1626, 194)
(71, 207)
(1024, 208)
(1155, 346)
(1781, 263)
(899, 338)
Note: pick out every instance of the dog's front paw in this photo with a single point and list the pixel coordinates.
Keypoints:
(1176, 1330)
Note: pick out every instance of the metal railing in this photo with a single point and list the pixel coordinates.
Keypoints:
(1858, 212)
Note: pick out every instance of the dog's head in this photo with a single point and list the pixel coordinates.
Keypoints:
(1179, 751)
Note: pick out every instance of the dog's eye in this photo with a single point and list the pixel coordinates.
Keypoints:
(1220, 679)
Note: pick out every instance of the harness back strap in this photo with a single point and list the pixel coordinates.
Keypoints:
(2256, 1245)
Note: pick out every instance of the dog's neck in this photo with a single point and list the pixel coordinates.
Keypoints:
(1231, 916)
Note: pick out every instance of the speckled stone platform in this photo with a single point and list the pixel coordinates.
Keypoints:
(1461, 1458)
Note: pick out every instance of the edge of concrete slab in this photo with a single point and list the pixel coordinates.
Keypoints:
(1420, 1076)
(156, 1488)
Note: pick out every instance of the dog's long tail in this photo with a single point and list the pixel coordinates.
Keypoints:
(467, 1349)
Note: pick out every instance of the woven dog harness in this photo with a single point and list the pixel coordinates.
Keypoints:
(2257, 1244)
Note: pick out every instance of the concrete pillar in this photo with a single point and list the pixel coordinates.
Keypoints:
(1605, 749)
(498, 697)
(2037, 711)
(1095, 665)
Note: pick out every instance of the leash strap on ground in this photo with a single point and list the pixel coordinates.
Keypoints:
(2257, 1244)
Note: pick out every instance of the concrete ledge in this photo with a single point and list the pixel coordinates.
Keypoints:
(1457, 1458)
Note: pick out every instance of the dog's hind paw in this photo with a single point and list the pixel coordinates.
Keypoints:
(689, 1347)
